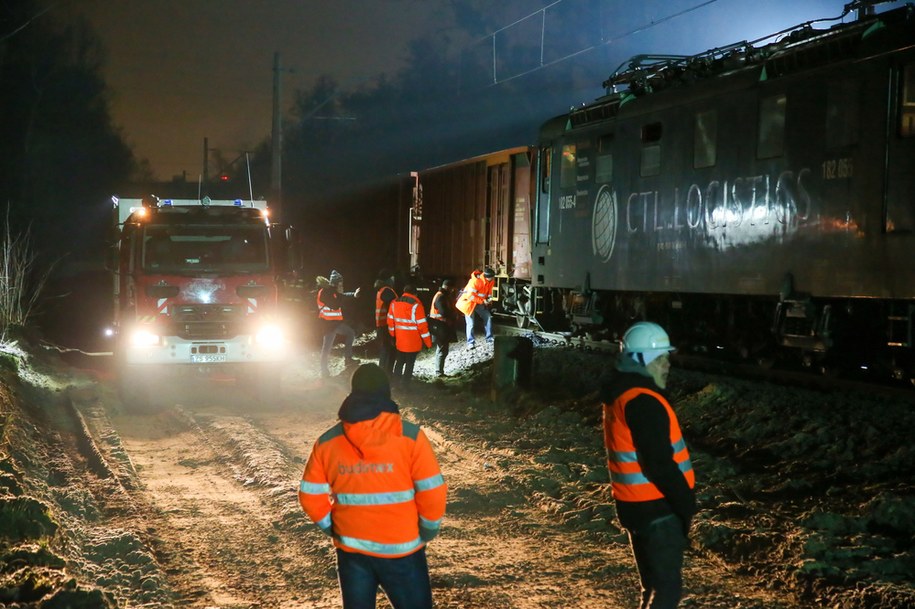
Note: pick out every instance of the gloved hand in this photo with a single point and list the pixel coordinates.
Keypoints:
(427, 534)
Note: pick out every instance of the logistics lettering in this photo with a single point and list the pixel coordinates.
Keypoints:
(744, 201)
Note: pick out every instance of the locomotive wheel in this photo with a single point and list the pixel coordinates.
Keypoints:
(523, 308)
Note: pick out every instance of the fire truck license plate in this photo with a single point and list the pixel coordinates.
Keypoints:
(208, 358)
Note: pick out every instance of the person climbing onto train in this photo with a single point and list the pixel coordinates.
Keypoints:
(407, 324)
(474, 302)
(651, 475)
(384, 296)
(441, 323)
(373, 484)
(330, 313)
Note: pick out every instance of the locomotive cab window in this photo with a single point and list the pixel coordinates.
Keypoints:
(651, 150)
(907, 118)
(567, 169)
(705, 139)
(771, 141)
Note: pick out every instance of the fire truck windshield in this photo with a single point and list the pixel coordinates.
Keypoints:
(209, 248)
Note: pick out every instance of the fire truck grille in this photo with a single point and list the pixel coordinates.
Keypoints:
(207, 321)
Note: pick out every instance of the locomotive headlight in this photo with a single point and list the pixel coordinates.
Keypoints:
(271, 336)
(143, 338)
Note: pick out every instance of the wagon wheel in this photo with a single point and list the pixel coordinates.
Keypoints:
(524, 307)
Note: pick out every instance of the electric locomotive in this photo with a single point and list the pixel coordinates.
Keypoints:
(755, 199)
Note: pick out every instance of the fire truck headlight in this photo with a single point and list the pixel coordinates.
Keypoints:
(144, 338)
(270, 336)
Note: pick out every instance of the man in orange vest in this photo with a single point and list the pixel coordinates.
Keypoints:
(373, 484)
(474, 302)
(651, 475)
(384, 296)
(330, 313)
(407, 324)
(441, 320)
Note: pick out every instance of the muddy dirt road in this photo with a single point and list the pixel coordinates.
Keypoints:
(215, 494)
(805, 497)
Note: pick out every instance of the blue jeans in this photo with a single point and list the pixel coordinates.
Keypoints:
(658, 551)
(330, 335)
(404, 580)
(484, 314)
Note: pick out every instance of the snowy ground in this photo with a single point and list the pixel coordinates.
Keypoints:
(807, 498)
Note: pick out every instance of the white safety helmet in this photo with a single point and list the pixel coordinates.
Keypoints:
(645, 342)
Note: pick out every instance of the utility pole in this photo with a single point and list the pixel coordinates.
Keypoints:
(276, 164)
(206, 166)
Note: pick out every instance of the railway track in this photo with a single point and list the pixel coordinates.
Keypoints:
(822, 379)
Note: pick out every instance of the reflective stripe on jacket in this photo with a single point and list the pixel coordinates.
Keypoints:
(382, 305)
(628, 482)
(325, 311)
(407, 324)
(477, 291)
(375, 486)
(436, 308)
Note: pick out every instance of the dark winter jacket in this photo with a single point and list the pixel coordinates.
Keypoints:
(647, 419)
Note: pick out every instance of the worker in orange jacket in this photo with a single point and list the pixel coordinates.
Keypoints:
(330, 316)
(384, 296)
(474, 302)
(373, 484)
(651, 473)
(407, 324)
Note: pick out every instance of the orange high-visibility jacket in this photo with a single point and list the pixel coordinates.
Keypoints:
(328, 307)
(375, 486)
(628, 482)
(477, 291)
(381, 307)
(407, 324)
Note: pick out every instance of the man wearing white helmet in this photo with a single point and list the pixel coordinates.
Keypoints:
(651, 474)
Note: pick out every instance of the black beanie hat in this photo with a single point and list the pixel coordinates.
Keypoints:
(370, 378)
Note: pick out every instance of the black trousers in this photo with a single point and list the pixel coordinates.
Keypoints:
(386, 350)
(403, 365)
(658, 550)
(441, 338)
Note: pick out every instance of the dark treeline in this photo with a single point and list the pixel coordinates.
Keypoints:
(60, 158)
(59, 151)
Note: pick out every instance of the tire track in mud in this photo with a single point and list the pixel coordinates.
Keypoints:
(222, 498)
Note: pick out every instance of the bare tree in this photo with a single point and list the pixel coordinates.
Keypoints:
(20, 281)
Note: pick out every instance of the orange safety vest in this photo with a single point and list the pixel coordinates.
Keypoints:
(374, 485)
(433, 310)
(628, 482)
(381, 311)
(477, 291)
(324, 311)
(407, 324)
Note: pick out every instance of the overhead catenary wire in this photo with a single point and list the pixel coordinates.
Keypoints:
(604, 41)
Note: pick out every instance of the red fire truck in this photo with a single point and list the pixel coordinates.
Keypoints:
(199, 287)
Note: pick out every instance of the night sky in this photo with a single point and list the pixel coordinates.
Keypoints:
(182, 70)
